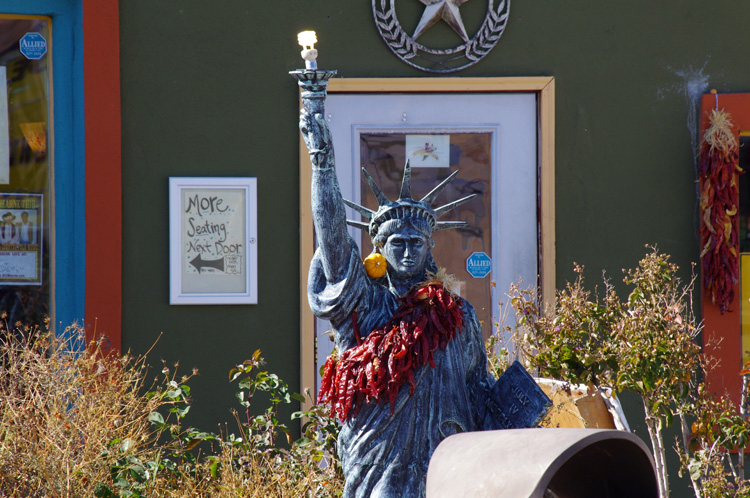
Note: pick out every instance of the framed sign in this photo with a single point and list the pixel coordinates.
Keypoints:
(213, 253)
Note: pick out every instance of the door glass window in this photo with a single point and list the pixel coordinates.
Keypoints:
(433, 157)
(25, 169)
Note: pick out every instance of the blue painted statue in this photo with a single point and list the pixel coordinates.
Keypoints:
(412, 368)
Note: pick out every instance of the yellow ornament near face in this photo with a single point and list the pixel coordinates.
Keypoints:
(375, 265)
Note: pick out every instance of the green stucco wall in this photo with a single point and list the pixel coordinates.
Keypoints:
(205, 92)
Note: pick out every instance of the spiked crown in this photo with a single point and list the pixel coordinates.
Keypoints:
(405, 207)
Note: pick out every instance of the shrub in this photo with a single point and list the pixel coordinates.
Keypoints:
(67, 417)
(644, 344)
(82, 423)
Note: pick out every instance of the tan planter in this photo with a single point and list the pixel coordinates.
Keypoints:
(576, 406)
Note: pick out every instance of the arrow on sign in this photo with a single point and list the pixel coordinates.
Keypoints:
(200, 263)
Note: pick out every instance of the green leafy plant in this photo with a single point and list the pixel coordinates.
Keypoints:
(573, 343)
(310, 465)
(263, 430)
(654, 343)
(706, 452)
(498, 355)
(644, 344)
(170, 461)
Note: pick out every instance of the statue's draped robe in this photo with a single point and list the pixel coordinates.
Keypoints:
(386, 455)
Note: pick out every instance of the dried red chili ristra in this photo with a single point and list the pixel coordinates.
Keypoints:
(719, 196)
(387, 358)
(329, 371)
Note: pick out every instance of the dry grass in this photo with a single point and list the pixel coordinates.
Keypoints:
(59, 411)
(81, 424)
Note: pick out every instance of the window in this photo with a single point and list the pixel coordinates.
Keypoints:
(26, 162)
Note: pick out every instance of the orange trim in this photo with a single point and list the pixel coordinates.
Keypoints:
(101, 77)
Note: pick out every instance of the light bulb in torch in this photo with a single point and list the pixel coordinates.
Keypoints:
(307, 41)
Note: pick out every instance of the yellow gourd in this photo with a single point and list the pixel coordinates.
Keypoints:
(375, 265)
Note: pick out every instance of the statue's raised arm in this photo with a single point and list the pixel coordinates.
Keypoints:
(329, 216)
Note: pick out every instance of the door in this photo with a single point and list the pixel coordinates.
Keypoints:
(492, 138)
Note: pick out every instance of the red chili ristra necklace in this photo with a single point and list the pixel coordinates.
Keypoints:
(380, 364)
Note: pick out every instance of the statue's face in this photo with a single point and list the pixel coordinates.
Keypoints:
(406, 252)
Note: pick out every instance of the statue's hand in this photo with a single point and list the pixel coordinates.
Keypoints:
(316, 135)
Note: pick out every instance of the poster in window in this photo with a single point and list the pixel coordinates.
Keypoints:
(20, 239)
(212, 241)
(428, 151)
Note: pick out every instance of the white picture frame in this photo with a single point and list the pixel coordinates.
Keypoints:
(213, 249)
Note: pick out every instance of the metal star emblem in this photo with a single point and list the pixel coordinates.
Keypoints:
(447, 10)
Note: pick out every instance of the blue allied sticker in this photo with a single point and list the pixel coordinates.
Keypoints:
(33, 46)
(478, 265)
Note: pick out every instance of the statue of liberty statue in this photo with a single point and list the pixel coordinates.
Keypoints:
(411, 367)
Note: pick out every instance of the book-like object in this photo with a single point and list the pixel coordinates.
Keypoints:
(515, 401)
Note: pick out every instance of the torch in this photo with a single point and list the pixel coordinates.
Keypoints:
(312, 80)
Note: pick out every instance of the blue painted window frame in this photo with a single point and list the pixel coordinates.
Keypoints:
(68, 172)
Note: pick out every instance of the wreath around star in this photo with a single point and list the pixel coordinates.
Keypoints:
(440, 60)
